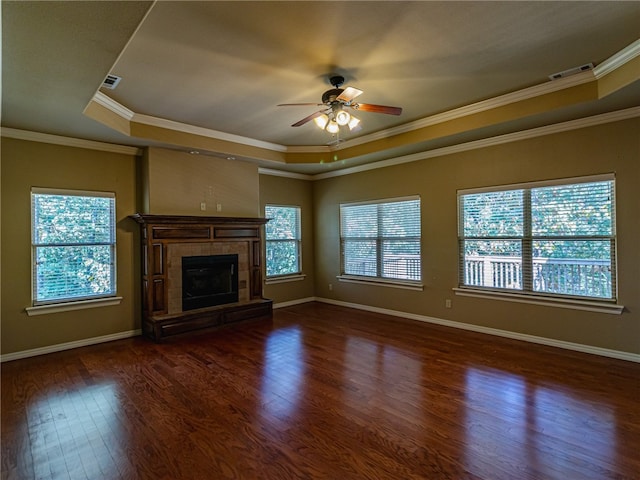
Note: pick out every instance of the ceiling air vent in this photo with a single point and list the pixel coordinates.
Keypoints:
(111, 82)
(572, 71)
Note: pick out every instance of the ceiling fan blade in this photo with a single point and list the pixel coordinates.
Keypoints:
(369, 107)
(307, 119)
(349, 94)
(299, 104)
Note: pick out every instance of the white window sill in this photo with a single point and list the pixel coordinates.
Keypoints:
(69, 306)
(575, 304)
(285, 278)
(382, 282)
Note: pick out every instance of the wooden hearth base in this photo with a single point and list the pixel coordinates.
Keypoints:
(160, 326)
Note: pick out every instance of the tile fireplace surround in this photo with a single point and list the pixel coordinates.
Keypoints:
(165, 239)
(174, 268)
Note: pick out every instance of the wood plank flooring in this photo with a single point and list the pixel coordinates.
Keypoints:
(321, 392)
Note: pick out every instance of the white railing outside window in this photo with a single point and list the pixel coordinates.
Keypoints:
(403, 267)
(590, 278)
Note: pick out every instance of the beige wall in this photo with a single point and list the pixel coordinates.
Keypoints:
(607, 148)
(292, 192)
(27, 164)
(163, 182)
(176, 183)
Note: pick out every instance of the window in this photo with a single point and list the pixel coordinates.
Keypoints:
(73, 243)
(550, 238)
(381, 239)
(283, 240)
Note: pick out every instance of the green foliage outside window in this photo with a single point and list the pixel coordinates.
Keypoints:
(282, 240)
(74, 246)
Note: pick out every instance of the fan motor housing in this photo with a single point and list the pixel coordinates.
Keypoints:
(330, 95)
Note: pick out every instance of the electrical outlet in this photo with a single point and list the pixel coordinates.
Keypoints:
(447, 303)
(330, 287)
(203, 206)
(219, 207)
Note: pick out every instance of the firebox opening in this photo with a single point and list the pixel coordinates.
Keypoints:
(209, 280)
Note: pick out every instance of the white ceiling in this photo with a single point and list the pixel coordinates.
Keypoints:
(224, 66)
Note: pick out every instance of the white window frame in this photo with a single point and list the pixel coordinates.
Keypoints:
(63, 303)
(297, 240)
(527, 293)
(379, 278)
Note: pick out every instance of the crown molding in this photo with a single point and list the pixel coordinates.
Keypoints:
(115, 107)
(131, 116)
(463, 147)
(310, 149)
(482, 106)
(614, 62)
(619, 59)
(478, 107)
(69, 141)
(489, 142)
(205, 132)
(283, 173)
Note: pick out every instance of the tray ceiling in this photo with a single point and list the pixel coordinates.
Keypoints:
(208, 76)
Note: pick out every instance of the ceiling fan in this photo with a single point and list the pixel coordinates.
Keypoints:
(334, 101)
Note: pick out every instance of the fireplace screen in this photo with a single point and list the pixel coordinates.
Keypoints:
(209, 280)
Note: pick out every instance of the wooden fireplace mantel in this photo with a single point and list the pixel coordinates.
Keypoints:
(166, 238)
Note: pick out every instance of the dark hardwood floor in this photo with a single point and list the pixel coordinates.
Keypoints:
(321, 392)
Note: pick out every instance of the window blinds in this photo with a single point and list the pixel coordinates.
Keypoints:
(381, 239)
(555, 239)
(73, 243)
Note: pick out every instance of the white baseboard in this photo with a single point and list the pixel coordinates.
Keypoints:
(294, 302)
(68, 345)
(604, 352)
(106, 338)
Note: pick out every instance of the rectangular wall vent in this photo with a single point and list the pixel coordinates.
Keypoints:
(111, 82)
(572, 71)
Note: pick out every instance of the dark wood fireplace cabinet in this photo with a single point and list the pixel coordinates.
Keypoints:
(166, 239)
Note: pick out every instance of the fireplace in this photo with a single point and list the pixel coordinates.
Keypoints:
(209, 280)
(200, 272)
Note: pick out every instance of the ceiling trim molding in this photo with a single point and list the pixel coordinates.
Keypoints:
(551, 86)
(482, 106)
(618, 60)
(488, 142)
(283, 173)
(69, 141)
(115, 107)
(612, 63)
(205, 132)
(310, 149)
(131, 116)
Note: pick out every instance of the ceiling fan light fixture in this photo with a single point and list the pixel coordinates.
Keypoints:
(353, 122)
(342, 117)
(321, 121)
(333, 115)
(332, 127)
